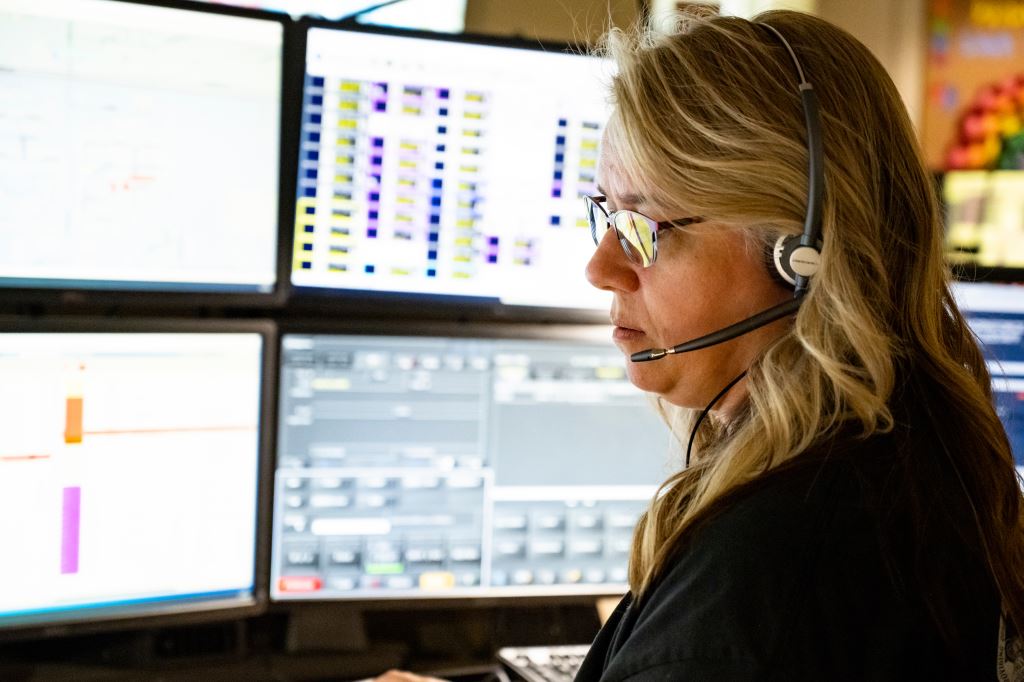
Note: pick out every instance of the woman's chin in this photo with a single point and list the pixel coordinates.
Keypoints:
(657, 379)
(644, 375)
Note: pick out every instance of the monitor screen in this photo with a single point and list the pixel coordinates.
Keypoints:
(139, 147)
(985, 217)
(995, 313)
(128, 474)
(447, 168)
(418, 467)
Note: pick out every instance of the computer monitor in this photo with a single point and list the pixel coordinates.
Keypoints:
(985, 218)
(995, 313)
(447, 168)
(130, 473)
(425, 467)
(139, 147)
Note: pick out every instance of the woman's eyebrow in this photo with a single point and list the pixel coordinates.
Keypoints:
(629, 199)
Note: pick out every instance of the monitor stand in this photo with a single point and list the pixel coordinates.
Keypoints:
(326, 628)
(320, 638)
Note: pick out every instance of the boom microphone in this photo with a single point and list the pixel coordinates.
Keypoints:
(742, 327)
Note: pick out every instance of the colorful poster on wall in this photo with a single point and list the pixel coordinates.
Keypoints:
(975, 107)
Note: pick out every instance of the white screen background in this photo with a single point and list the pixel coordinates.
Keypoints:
(166, 466)
(137, 144)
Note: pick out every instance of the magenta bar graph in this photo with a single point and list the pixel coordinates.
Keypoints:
(69, 530)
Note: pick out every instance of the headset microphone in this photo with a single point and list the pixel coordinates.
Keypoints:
(722, 335)
(796, 257)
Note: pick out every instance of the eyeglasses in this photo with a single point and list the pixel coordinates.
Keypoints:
(637, 233)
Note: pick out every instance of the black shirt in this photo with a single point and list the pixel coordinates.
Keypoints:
(792, 581)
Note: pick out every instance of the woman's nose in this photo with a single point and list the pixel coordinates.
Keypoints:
(609, 268)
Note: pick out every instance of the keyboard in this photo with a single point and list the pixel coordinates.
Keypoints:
(544, 663)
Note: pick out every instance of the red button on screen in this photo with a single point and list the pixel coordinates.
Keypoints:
(299, 584)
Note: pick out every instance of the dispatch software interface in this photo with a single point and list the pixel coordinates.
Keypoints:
(438, 466)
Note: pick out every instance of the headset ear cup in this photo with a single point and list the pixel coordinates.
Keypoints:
(779, 267)
(790, 260)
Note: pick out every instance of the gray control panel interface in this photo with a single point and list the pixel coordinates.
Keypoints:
(442, 467)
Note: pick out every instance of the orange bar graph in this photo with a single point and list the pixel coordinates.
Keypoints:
(73, 420)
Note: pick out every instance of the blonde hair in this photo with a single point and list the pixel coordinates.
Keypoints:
(710, 113)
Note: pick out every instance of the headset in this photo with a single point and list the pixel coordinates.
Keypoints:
(794, 258)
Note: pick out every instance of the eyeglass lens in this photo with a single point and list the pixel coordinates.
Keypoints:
(635, 232)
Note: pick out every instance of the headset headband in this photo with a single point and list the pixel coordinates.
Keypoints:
(811, 236)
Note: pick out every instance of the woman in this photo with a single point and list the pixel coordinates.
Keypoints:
(850, 508)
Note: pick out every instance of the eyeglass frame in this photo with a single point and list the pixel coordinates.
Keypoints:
(598, 199)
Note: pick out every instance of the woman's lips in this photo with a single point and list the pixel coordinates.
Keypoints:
(627, 334)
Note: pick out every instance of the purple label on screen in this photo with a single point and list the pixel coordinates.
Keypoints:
(69, 530)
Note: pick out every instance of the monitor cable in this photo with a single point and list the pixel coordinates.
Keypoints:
(353, 17)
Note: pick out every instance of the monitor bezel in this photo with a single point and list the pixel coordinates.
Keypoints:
(982, 274)
(73, 298)
(478, 329)
(167, 612)
(383, 304)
